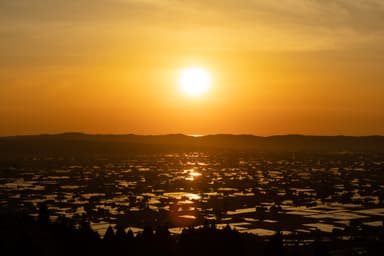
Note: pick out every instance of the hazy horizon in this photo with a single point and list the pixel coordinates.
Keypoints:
(189, 135)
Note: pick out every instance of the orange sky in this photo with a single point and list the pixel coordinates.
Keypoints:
(303, 66)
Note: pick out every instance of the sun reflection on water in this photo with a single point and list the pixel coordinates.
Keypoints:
(191, 174)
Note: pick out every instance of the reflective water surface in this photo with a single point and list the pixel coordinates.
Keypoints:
(252, 193)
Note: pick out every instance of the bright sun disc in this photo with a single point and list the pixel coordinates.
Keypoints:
(195, 81)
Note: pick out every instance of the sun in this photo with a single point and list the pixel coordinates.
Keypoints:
(195, 81)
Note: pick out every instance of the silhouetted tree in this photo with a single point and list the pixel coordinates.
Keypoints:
(275, 246)
(120, 234)
(43, 217)
(109, 235)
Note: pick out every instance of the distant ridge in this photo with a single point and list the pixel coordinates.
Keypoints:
(75, 143)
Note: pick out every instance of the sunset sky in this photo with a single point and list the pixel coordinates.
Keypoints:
(113, 66)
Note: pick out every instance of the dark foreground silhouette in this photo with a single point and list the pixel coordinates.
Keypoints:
(20, 234)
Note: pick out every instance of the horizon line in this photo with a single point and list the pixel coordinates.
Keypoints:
(188, 135)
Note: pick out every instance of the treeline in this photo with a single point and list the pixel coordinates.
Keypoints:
(20, 234)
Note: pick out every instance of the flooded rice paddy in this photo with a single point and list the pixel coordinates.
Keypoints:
(253, 193)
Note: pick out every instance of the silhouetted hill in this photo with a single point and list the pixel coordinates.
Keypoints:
(78, 144)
